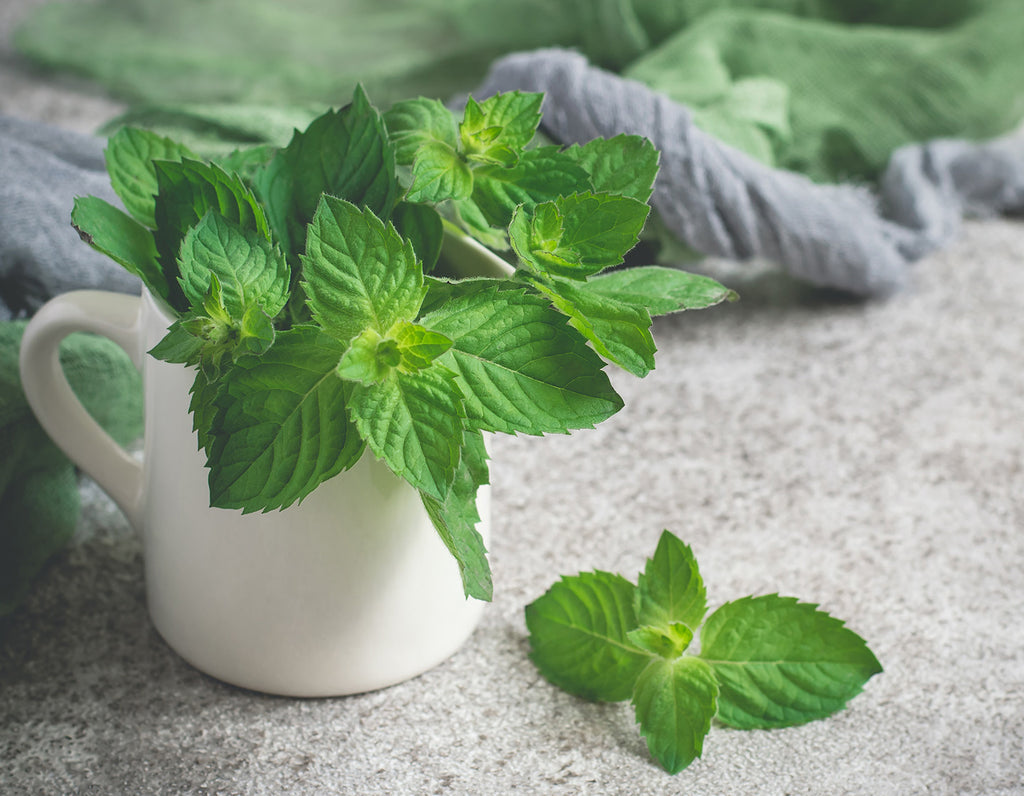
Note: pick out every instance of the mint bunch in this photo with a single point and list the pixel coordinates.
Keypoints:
(312, 299)
(763, 662)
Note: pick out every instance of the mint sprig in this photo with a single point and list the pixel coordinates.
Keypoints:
(311, 295)
(764, 662)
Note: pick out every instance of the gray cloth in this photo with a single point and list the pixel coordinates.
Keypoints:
(721, 202)
(42, 170)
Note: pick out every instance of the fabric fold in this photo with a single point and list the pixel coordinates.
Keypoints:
(724, 203)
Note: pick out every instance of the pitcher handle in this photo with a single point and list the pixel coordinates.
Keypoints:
(60, 413)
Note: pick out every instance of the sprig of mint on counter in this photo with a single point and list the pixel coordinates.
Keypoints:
(764, 662)
(312, 299)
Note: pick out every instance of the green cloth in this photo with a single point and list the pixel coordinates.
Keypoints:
(39, 499)
(825, 87)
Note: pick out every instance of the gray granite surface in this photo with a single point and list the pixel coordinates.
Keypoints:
(867, 457)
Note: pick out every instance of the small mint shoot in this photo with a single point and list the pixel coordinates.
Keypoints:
(668, 641)
(497, 130)
(369, 358)
(579, 235)
(417, 347)
(764, 662)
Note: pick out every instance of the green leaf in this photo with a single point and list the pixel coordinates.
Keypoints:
(369, 358)
(129, 157)
(247, 161)
(540, 175)
(119, 236)
(359, 273)
(456, 518)
(625, 165)
(178, 346)
(251, 270)
(781, 662)
(521, 368)
(280, 427)
(414, 122)
(203, 408)
(619, 332)
(344, 153)
(418, 346)
(578, 235)
(255, 332)
(473, 221)
(661, 290)
(674, 703)
(668, 641)
(671, 590)
(438, 173)
(578, 636)
(497, 129)
(413, 423)
(188, 191)
(422, 226)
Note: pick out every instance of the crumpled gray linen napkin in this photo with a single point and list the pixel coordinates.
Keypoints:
(42, 170)
(723, 203)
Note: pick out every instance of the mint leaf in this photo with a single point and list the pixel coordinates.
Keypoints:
(129, 157)
(625, 165)
(252, 272)
(178, 346)
(256, 332)
(422, 226)
(578, 235)
(671, 590)
(413, 423)
(280, 427)
(619, 332)
(417, 345)
(248, 161)
(521, 368)
(661, 290)
(578, 636)
(667, 641)
(187, 191)
(674, 703)
(781, 662)
(358, 272)
(203, 408)
(539, 175)
(344, 153)
(438, 173)
(456, 518)
(123, 239)
(415, 122)
(497, 129)
(369, 358)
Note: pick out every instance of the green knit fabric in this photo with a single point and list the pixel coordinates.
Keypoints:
(826, 87)
(39, 500)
